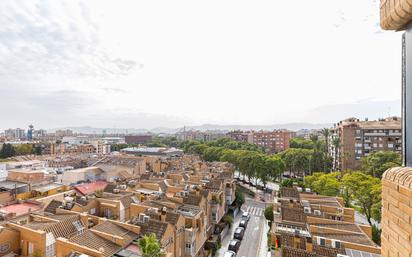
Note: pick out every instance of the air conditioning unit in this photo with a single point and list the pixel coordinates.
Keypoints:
(336, 244)
(321, 241)
(307, 190)
(299, 189)
(317, 212)
(305, 203)
(306, 210)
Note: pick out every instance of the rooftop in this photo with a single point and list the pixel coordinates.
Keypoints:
(20, 208)
(90, 188)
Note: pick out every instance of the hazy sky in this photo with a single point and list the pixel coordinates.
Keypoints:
(169, 63)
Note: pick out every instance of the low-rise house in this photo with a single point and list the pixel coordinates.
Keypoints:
(71, 177)
(309, 225)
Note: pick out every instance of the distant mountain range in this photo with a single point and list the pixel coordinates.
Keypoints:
(204, 127)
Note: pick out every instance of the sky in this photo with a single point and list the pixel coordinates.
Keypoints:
(148, 64)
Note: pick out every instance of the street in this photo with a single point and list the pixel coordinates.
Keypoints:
(254, 241)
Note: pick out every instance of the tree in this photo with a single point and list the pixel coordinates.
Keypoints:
(275, 167)
(378, 162)
(258, 167)
(365, 191)
(212, 153)
(319, 159)
(23, 149)
(269, 213)
(150, 246)
(228, 219)
(245, 164)
(239, 197)
(326, 132)
(7, 151)
(324, 184)
(297, 160)
(336, 145)
(302, 143)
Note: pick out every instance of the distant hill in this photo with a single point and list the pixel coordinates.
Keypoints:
(204, 127)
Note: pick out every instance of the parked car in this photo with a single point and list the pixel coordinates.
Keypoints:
(239, 233)
(243, 224)
(245, 216)
(234, 245)
(229, 254)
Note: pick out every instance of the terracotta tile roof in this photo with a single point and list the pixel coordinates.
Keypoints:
(96, 242)
(163, 186)
(353, 238)
(289, 192)
(192, 200)
(37, 225)
(109, 188)
(172, 217)
(145, 176)
(341, 226)
(113, 229)
(214, 184)
(52, 206)
(90, 188)
(153, 226)
(125, 175)
(294, 252)
(328, 251)
(127, 200)
(62, 227)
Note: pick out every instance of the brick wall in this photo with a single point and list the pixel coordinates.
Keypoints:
(397, 212)
(395, 14)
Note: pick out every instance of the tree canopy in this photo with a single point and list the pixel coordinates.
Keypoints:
(365, 191)
(378, 162)
(150, 246)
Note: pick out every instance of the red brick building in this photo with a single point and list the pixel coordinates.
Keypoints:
(272, 141)
(138, 139)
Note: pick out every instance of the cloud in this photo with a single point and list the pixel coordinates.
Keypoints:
(45, 37)
(366, 108)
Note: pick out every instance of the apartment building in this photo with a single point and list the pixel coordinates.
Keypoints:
(358, 138)
(204, 136)
(17, 133)
(272, 141)
(138, 139)
(238, 135)
(309, 225)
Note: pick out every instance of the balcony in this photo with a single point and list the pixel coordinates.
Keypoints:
(375, 134)
(190, 234)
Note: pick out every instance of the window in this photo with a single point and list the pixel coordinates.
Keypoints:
(79, 226)
(188, 248)
(50, 245)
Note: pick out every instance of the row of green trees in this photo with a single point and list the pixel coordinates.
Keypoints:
(248, 159)
(251, 161)
(9, 150)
